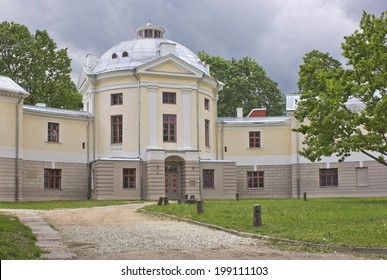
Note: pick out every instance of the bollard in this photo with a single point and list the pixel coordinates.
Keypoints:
(304, 196)
(160, 202)
(237, 196)
(257, 220)
(166, 202)
(200, 207)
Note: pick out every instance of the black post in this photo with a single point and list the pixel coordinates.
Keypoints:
(257, 220)
(304, 196)
(160, 202)
(200, 207)
(237, 196)
(166, 202)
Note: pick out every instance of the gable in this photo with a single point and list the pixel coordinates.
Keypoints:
(170, 65)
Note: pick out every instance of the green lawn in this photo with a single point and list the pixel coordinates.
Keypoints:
(335, 221)
(17, 242)
(46, 205)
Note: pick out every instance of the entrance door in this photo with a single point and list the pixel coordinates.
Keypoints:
(172, 185)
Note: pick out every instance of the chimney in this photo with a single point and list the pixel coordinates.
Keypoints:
(167, 48)
(239, 112)
(90, 59)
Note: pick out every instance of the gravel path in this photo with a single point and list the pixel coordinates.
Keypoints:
(119, 232)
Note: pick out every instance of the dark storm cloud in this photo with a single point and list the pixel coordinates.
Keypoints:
(276, 33)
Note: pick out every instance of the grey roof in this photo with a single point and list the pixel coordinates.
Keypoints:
(56, 111)
(254, 120)
(141, 51)
(7, 85)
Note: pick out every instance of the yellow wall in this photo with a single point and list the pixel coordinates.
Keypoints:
(275, 140)
(72, 133)
(8, 122)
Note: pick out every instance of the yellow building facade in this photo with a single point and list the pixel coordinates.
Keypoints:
(149, 129)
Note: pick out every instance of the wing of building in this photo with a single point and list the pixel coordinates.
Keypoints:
(149, 129)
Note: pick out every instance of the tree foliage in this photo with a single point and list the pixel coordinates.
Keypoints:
(34, 62)
(346, 108)
(246, 86)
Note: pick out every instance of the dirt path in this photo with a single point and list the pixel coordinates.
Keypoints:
(119, 232)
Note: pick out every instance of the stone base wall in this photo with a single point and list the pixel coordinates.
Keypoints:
(349, 184)
(108, 180)
(74, 181)
(277, 181)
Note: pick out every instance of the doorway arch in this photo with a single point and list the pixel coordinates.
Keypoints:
(173, 167)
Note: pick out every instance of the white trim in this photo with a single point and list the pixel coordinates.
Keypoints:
(152, 95)
(186, 117)
(9, 152)
(120, 87)
(50, 156)
(260, 160)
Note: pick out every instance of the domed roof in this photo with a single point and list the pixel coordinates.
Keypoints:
(128, 55)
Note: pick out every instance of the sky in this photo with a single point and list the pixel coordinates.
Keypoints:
(275, 33)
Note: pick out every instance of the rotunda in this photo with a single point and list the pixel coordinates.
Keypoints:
(154, 107)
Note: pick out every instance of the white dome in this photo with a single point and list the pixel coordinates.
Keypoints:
(128, 55)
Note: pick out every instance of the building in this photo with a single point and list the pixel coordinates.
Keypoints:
(149, 129)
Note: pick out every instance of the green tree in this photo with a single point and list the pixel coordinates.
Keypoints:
(34, 62)
(346, 109)
(246, 86)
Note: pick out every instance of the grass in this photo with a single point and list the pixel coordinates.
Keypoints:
(46, 205)
(360, 222)
(17, 242)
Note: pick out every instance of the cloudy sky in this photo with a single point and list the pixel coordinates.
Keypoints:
(276, 33)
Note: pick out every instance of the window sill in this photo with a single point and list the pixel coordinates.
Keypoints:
(329, 187)
(52, 142)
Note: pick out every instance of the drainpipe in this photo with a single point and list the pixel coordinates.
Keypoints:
(298, 168)
(197, 111)
(88, 158)
(222, 139)
(94, 113)
(139, 136)
(197, 131)
(17, 148)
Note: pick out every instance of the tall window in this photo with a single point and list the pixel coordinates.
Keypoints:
(254, 139)
(207, 132)
(129, 178)
(116, 129)
(116, 99)
(255, 179)
(329, 177)
(53, 132)
(169, 128)
(52, 178)
(208, 179)
(169, 97)
(206, 104)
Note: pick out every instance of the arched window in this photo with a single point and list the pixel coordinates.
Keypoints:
(114, 56)
(125, 54)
